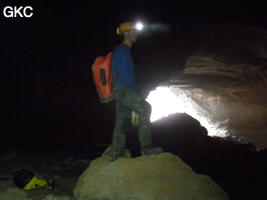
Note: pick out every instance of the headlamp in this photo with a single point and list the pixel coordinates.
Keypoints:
(139, 26)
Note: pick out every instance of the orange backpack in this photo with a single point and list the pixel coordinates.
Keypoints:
(101, 69)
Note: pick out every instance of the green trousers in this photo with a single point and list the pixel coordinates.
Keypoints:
(127, 101)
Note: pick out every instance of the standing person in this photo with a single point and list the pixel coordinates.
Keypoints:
(127, 96)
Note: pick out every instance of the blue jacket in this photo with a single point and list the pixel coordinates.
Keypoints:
(122, 66)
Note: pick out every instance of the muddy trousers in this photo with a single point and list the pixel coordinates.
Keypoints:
(127, 101)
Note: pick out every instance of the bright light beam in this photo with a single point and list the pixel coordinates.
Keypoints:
(165, 102)
(139, 26)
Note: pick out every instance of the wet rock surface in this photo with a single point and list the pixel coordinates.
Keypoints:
(226, 76)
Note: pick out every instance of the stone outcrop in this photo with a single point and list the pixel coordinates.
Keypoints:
(155, 177)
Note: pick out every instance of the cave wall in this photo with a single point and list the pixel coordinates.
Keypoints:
(227, 77)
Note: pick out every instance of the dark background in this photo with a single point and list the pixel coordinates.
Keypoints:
(47, 95)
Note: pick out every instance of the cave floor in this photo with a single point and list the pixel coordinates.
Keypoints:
(63, 169)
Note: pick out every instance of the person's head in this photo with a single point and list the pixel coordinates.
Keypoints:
(127, 31)
(130, 36)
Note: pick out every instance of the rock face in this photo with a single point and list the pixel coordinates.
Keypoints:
(156, 177)
(227, 80)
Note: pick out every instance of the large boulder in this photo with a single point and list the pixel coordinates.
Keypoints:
(155, 177)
